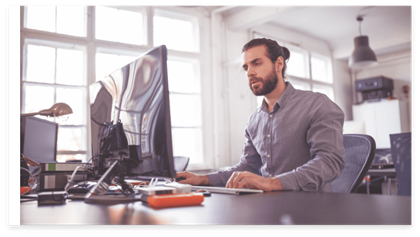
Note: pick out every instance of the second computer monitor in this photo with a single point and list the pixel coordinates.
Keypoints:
(39, 139)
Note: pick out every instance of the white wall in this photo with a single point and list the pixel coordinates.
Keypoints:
(241, 100)
(343, 88)
(233, 101)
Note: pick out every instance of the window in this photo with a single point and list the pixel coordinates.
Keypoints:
(298, 65)
(70, 20)
(327, 90)
(78, 49)
(107, 63)
(58, 77)
(306, 70)
(178, 32)
(118, 25)
(321, 68)
(185, 103)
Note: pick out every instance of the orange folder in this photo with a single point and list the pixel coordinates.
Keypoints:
(175, 200)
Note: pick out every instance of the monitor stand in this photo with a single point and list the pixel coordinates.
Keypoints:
(97, 193)
(113, 199)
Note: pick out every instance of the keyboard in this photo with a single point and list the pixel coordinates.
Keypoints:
(235, 191)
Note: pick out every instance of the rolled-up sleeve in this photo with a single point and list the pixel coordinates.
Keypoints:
(325, 139)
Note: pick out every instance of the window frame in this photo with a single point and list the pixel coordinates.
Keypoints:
(179, 16)
(41, 41)
(330, 79)
(307, 59)
(24, 19)
(145, 32)
(196, 65)
(92, 46)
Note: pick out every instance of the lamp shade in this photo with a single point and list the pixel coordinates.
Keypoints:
(363, 55)
(58, 109)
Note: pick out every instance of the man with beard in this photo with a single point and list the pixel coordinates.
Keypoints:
(294, 140)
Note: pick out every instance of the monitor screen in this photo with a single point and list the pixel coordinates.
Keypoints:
(39, 139)
(137, 95)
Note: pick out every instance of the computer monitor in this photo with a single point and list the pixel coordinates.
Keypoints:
(137, 95)
(39, 139)
(401, 156)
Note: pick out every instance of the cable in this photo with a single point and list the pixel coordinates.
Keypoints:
(67, 187)
(359, 18)
(358, 14)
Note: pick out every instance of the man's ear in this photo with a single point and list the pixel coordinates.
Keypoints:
(279, 64)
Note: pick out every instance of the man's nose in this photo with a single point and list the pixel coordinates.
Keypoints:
(250, 72)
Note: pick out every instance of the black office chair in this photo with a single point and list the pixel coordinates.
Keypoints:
(401, 156)
(359, 151)
(181, 163)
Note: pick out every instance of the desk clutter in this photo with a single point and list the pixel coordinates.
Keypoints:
(55, 176)
(54, 183)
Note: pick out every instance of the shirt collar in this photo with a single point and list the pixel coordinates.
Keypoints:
(281, 102)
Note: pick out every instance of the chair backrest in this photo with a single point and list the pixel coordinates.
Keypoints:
(401, 156)
(359, 151)
(181, 163)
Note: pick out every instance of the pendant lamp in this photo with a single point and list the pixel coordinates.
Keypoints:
(363, 55)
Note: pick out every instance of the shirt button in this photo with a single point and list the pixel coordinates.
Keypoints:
(268, 135)
(271, 115)
(268, 155)
(270, 175)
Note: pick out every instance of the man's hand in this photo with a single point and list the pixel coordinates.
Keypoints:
(252, 181)
(193, 179)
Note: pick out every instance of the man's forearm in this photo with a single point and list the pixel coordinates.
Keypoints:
(312, 175)
(204, 180)
(275, 184)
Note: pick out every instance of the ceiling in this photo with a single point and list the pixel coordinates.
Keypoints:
(388, 27)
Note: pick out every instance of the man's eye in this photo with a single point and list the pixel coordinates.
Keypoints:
(245, 68)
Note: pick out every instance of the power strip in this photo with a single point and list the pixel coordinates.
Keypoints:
(52, 198)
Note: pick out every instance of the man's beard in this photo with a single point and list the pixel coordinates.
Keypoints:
(268, 84)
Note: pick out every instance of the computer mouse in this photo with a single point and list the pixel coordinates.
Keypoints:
(180, 178)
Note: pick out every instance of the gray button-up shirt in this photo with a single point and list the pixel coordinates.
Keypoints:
(300, 142)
